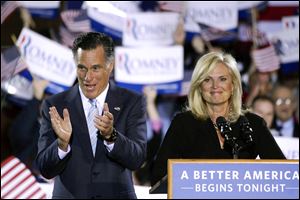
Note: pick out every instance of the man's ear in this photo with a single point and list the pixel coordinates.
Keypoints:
(111, 66)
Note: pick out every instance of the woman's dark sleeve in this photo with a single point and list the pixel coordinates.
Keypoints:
(170, 148)
(266, 146)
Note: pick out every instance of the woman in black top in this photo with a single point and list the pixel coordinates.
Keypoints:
(195, 134)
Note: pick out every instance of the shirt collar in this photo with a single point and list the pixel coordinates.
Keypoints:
(100, 99)
(287, 123)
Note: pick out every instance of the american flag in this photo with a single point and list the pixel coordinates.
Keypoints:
(7, 7)
(11, 63)
(260, 39)
(245, 33)
(66, 36)
(211, 33)
(175, 6)
(76, 20)
(266, 59)
(17, 181)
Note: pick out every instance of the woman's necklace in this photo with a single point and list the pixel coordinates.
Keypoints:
(221, 139)
(216, 126)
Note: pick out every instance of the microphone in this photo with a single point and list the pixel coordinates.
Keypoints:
(246, 130)
(224, 128)
(226, 132)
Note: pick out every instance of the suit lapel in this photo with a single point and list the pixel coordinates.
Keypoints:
(78, 120)
(80, 129)
(114, 101)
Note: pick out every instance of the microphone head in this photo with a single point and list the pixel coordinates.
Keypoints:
(244, 119)
(221, 120)
(246, 130)
(224, 127)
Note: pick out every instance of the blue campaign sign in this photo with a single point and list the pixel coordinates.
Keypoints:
(233, 179)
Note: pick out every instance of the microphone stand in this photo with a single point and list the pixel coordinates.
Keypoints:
(226, 130)
(235, 147)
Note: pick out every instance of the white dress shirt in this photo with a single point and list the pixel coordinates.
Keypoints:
(287, 129)
(100, 100)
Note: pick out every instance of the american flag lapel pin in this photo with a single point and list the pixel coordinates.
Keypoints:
(117, 108)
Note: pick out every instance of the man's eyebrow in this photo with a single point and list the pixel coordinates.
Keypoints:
(81, 65)
(96, 65)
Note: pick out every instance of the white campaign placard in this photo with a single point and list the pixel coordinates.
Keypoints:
(290, 22)
(40, 4)
(286, 43)
(150, 28)
(46, 58)
(110, 20)
(247, 5)
(289, 146)
(150, 65)
(218, 14)
(18, 86)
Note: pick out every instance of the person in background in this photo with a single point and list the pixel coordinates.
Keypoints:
(143, 174)
(260, 83)
(93, 135)
(24, 131)
(285, 107)
(199, 133)
(264, 107)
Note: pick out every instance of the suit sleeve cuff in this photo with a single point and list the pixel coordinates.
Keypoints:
(109, 147)
(62, 154)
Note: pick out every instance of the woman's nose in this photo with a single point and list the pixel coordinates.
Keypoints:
(214, 84)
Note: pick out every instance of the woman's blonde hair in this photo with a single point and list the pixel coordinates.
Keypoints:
(204, 66)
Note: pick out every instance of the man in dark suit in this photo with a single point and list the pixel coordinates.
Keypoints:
(285, 121)
(92, 157)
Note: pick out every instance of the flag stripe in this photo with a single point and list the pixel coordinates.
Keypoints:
(11, 63)
(23, 188)
(12, 174)
(33, 193)
(265, 50)
(29, 192)
(5, 162)
(67, 37)
(76, 20)
(12, 184)
(175, 6)
(8, 167)
(39, 195)
(17, 185)
(266, 59)
(7, 8)
(211, 33)
(25, 194)
(17, 181)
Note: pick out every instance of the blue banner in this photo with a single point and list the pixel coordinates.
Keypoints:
(256, 179)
